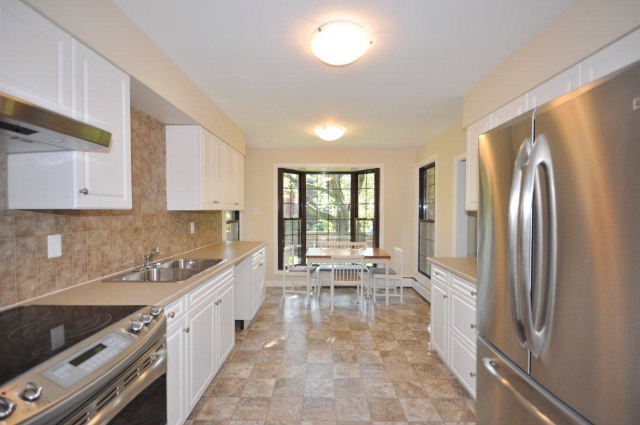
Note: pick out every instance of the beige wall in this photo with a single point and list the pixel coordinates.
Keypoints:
(97, 243)
(444, 148)
(582, 29)
(398, 204)
(103, 27)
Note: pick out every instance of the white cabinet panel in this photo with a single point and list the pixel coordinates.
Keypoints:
(615, 56)
(472, 176)
(36, 58)
(176, 372)
(463, 317)
(249, 285)
(508, 111)
(225, 322)
(440, 318)
(101, 98)
(563, 83)
(201, 345)
(463, 363)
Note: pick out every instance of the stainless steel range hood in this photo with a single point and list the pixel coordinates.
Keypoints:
(25, 127)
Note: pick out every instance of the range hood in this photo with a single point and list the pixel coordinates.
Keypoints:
(25, 127)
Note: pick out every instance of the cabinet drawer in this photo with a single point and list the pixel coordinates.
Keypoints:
(207, 288)
(463, 363)
(175, 311)
(439, 274)
(464, 287)
(463, 317)
(257, 259)
(176, 324)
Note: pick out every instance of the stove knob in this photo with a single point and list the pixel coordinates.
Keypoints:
(135, 326)
(156, 310)
(31, 392)
(6, 407)
(146, 319)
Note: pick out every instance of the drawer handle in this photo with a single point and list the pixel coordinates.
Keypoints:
(172, 315)
(473, 293)
(472, 374)
(473, 326)
(186, 330)
(84, 191)
(445, 296)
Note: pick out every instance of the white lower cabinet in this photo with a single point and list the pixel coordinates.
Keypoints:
(453, 325)
(249, 285)
(200, 336)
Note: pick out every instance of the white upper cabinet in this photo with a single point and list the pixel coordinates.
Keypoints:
(612, 58)
(44, 65)
(471, 188)
(508, 111)
(101, 98)
(563, 83)
(203, 172)
(36, 58)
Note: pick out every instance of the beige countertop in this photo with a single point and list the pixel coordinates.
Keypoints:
(465, 267)
(98, 292)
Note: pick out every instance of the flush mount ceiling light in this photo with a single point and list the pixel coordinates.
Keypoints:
(339, 43)
(329, 133)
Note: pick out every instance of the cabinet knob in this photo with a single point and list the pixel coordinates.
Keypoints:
(84, 191)
(472, 374)
(186, 330)
(473, 326)
(172, 314)
(445, 296)
(215, 202)
(473, 293)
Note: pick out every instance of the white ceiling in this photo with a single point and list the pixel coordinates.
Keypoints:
(252, 58)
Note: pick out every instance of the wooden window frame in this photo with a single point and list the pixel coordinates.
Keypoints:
(422, 172)
(302, 213)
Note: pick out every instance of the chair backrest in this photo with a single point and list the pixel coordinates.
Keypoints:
(347, 269)
(398, 261)
(340, 244)
(288, 257)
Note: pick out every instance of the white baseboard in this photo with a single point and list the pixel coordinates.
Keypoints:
(422, 285)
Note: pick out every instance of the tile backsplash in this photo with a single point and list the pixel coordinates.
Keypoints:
(98, 242)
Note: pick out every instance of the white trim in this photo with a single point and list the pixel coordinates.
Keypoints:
(363, 165)
(407, 282)
(454, 230)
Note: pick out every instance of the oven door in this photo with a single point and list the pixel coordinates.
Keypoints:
(138, 396)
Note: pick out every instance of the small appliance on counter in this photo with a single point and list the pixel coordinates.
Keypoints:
(69, 364)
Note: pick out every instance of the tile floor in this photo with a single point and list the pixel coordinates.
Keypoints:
(299, 364)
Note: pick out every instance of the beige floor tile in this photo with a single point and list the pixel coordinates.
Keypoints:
(443, 388)
(252, 408)
(346, 370)
(265, 370)
(227, 387)
(236, 370)
(292, 370)
(348, 388)
(369, 356)
(378, 388)
(214, 408)
(289, 387)
(318, 387)
(386, 409)
(409, 389)
(419, 409)
(319, 357)
(352, 409)
(258, 388)
(320, 370)
(453, 409)
(319, 409)
(285, 409)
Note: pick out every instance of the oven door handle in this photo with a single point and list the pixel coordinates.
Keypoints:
(146, 377)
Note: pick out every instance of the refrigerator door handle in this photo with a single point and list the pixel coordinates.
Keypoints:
(515, 254)
(538, 184)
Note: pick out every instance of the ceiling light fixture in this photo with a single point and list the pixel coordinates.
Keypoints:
(340, 43)
(330, 132)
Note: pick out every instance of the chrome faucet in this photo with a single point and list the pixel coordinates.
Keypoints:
(150, 256)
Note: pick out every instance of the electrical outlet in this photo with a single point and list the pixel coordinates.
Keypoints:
(192, 227)
(54, 246)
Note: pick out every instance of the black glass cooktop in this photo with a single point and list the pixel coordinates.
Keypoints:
(30, 335)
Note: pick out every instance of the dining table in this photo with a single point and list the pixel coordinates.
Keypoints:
(323, 255)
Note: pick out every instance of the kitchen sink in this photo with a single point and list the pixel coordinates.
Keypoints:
(175, 270)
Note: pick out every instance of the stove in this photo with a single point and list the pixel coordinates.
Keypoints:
(56, 360)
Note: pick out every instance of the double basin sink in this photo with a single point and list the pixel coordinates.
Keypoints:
(175, 270)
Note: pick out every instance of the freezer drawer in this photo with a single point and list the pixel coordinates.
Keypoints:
(508, 396)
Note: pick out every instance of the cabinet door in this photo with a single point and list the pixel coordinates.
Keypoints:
(463, 363)
(472, 176)
(201, 348)
(101, 98)
(440, 319)
(36, 58)
(176, 374)
(208, 146)
(240, 180)
(218, 174)
(225, 322)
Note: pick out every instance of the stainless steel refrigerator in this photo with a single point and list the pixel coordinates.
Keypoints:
(559, 261)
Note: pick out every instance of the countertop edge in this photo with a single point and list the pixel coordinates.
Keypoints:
(446, 262)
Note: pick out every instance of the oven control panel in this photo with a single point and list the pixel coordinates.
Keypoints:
(84, 362)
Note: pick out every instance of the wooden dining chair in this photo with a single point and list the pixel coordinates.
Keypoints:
(292, 272)
(324, 269)
(396, 272)
(347, 270)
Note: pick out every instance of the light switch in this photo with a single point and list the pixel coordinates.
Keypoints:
(192, 227)
(54, 246)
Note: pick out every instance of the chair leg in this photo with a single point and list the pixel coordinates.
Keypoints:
(331, 296)
(401, 290)
(284, 283)
(386, 292)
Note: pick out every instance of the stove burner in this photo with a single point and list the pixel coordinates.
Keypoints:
(30, 335)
